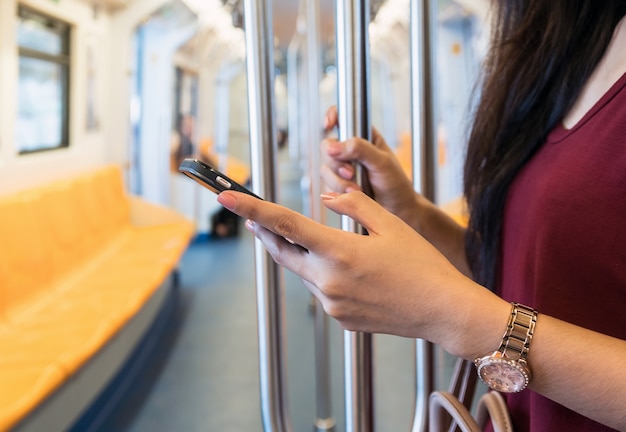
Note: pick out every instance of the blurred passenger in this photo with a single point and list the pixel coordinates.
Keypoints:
(545, 182)
(223, 223)
(182, 141)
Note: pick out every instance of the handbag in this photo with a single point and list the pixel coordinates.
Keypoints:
(449, 411)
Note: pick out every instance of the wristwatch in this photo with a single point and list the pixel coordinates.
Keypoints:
(506, 370)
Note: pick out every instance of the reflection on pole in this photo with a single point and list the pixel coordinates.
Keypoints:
(354, 120)
(270, 307)
(423, 143)
(324, 420)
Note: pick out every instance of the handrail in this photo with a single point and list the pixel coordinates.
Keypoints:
(423, 142)
(352, 18)
(270, 299)
(324, 419)
(293, 94)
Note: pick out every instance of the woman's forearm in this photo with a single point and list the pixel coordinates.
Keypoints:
(441, 231)
(370, 284)
(575, 367)
(580, 369)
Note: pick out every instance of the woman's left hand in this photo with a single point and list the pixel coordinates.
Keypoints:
(390, 281)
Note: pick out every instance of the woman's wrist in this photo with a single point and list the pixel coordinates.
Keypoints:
(412, 214)
(441, 231)
(479, 319)
(426, 217)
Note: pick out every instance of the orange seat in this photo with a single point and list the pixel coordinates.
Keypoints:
(25, 271)
(78, 259)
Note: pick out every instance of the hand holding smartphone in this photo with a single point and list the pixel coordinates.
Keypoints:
(210, 178)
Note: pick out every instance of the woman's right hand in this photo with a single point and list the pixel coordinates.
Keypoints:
(390, 185)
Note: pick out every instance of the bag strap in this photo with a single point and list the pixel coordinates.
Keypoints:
(462, 386)
(492, 405)
(463, 383)
(442, 406)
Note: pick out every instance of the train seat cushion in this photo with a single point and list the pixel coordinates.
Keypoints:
(78, 259)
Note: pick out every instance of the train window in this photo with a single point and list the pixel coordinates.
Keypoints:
(43, 90)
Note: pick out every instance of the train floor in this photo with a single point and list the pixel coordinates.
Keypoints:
(205, 377)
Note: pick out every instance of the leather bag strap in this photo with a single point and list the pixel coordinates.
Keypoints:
(444, 406)
(493, 406)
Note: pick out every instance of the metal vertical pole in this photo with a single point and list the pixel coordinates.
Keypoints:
(293, 101)
(354, 120)
(270, 307)
(424, 143)
(324, 420)
(313, 73)
(222, 118)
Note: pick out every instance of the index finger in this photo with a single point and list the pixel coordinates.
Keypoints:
(278, 219)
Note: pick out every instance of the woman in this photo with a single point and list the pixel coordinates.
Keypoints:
(545, 180)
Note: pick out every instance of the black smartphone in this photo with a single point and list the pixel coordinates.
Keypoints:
(214, 180)
(211, 178)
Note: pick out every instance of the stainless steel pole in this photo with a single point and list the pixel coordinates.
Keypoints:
(324, 420)
(423, 142)
(222, 118)
(423, 122)
(293, 95)
(313, 70)
(270, 298)
(354, 120)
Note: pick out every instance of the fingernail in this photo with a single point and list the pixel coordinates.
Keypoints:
(326, 121)
(346, 172)
(329, 196)
(352, 189)
(334, 148)
(227, 200)
(250, 225)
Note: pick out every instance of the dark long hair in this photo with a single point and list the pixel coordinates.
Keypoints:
(542, 53)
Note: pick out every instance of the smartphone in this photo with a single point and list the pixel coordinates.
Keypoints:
(211, 178)
(214, 180)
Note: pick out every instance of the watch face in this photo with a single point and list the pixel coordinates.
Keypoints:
(503, 375)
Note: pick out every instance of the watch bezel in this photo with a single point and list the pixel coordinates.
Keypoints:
(519, 366)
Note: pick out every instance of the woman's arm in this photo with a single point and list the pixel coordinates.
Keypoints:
(393, 281)
(580, 369)
(443, 232)
(575, 367)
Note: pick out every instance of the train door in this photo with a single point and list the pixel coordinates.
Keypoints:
(210, 95)
(460, 47)
(152, 95)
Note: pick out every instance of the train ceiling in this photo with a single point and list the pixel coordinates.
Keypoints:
(286, 13)
(226, 16)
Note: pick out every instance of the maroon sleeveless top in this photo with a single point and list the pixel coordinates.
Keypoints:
(564, 241)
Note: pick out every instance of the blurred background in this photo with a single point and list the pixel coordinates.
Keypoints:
(141, 84)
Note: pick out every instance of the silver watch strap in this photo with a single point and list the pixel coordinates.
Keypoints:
(519, 332)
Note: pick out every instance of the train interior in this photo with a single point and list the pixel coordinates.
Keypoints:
(127, 294)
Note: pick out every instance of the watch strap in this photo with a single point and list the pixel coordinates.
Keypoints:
(519, 332)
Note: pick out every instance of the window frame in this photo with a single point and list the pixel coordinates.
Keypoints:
(64, 59)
